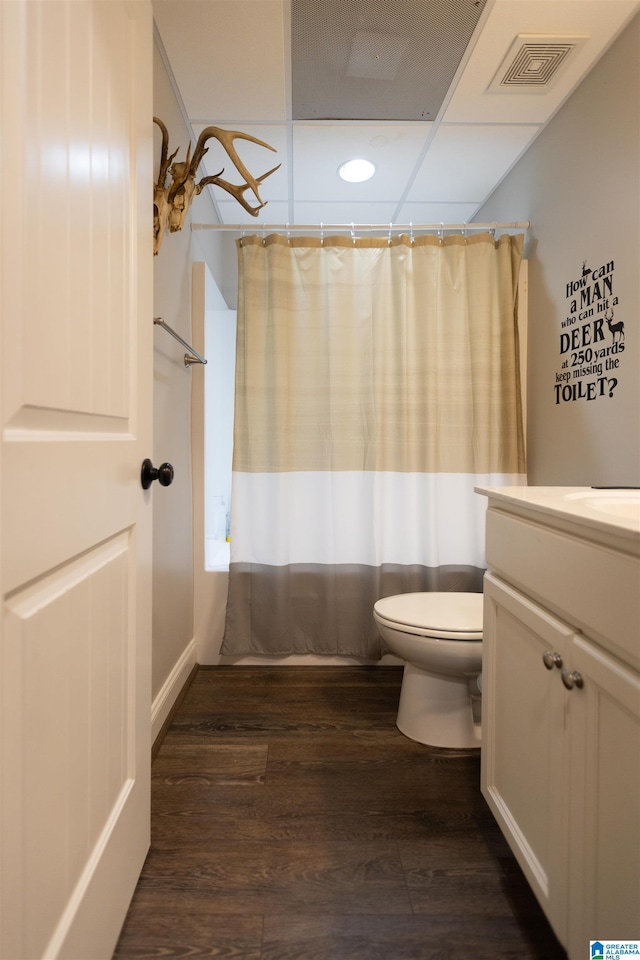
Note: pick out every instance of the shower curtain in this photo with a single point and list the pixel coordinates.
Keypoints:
(376, 383)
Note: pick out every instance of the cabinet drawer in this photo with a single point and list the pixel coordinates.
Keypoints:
(594, 588)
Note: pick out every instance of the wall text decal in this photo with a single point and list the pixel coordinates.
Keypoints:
(591, 339)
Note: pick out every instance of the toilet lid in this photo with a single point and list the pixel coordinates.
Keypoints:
(454, 616)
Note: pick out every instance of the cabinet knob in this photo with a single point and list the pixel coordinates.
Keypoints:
(573, 679)
(551, 659)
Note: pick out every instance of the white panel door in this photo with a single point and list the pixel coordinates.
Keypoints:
(76, 324)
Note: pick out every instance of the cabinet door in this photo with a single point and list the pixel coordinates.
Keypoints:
(605, 800)
(524, 777)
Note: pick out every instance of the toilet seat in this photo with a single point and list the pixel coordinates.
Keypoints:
(448, 616)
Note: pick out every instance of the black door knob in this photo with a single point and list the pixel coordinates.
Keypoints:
(163, 474)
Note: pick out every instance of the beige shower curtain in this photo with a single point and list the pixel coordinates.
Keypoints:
(376, 384)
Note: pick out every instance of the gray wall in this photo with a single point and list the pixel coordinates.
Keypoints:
(173, 574)
(579, 185)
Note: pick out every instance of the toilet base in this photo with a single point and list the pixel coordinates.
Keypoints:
(436, 710)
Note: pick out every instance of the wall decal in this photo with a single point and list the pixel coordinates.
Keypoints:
(591, 337)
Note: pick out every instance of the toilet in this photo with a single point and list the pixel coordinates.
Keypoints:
(439, 636)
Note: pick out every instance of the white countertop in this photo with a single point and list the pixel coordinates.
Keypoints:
(603, 510)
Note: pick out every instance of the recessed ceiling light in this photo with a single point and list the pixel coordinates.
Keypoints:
(356, 171)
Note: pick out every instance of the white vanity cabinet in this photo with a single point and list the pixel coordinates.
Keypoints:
(561, 707)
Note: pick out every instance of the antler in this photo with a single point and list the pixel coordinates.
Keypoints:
(226, 138)
(162, 202)
(237, 190)
(165, 159)
(172, 202)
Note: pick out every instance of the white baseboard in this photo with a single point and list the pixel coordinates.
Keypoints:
(163, 702)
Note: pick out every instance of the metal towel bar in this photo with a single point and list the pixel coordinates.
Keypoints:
(193, 356)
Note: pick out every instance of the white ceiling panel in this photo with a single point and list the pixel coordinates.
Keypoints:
(319, 150)
(598, 21)
(273, 212)
(228, 57)
(349, 212)
(466, 161)
(413, 212)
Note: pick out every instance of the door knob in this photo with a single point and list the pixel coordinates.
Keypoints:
(163, 474)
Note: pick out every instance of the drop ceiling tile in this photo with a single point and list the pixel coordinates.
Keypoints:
(228, 57)
(318, 151)
(375, 60)
(258, 160)
(232, 212)
(436, 212)
(344, 212)
(465, 162)
(598, 21)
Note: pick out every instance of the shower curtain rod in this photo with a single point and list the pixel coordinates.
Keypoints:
(358, 227)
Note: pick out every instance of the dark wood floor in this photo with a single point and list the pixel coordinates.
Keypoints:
(292, 821)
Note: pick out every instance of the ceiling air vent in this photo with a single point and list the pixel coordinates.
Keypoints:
(534, 63)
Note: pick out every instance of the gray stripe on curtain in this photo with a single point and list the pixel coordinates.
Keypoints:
(323, 609)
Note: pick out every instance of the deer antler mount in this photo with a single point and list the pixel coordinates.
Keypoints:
(171, 201)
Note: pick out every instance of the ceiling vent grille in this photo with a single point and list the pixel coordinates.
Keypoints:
(534, 63)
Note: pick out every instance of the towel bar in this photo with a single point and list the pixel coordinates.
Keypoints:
(189, 358)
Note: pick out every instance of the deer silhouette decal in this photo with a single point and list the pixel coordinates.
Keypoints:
(614, 328)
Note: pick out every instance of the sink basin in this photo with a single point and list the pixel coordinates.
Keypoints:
(616, 503)
(619, 507)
